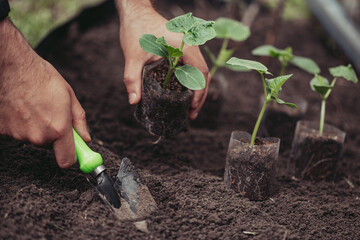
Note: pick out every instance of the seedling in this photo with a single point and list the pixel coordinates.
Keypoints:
(227, 29)
(196, 32)
(272, 88)
(286, 57)
(323, 87)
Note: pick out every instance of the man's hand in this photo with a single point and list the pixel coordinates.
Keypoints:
(36, 103)
(138, 17)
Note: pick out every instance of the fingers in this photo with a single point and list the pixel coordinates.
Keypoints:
(194, 58)
(64, 148)
(132, 80)
(199, 99)
(79, 118)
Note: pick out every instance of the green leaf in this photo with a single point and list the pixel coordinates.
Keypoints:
(248, 64)
(210, 54)
(305, 64)
(278, 53)
(263, 50)
(346, 72)
(232, 29)
(275, 84)
(236, 68)
(190, 77)
(173, 52)
(196, 30)
(292, 105)
(224, 55)
(320, 84)
(149, 44)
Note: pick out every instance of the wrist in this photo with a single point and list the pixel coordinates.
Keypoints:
(133, 8)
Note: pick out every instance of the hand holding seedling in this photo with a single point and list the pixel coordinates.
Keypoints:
(36, 103)
(323, 87)
(272, 87)
(138, 18)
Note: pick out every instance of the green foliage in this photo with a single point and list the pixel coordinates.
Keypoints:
(196, 31)
(190, 77)
(227, 28)
(321, 85)
(346, 72)
(272, 87)
(248, 64)
(286, 56)
(35, 18)
(149, 43)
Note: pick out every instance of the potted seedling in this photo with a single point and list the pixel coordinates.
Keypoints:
(281, 122)
(167, 84)
(226, 29)
(250, 160)
(316, 147)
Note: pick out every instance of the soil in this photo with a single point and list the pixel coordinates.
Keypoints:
(250, 170)
(163, 112)
(315, 157)
(184, 173)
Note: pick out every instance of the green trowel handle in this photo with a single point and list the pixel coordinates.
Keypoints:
(88, 159)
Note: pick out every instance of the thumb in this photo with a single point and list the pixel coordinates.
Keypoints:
(132, 80)
(79, 118)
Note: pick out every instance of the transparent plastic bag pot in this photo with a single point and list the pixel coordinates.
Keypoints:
(314, 157)
(162, 112)
(250, 170)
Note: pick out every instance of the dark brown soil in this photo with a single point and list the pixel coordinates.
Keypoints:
(40, 201)
(315, 157)
(163, 112)
(250, 170)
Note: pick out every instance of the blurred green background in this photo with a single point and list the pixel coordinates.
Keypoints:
(34, 18)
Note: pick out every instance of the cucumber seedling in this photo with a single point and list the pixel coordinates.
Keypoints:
(321, 85)
(227, 29)
(196, 32)
(272, 87)
(286, 57)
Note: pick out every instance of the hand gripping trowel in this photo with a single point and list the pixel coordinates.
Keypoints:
(91, 162)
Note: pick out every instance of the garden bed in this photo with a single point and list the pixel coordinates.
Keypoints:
(184, 173)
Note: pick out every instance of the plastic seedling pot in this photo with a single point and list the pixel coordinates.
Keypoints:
(162, 112)
(249, 170)
(314, 157)
(210, 113)
(281, 122)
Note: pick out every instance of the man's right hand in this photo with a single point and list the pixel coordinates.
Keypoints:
(36, 103)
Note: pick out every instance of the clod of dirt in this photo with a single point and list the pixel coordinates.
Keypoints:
(163, 112)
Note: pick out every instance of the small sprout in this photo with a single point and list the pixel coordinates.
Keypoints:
(286, 57)
(227, 29)
(272, 87)
(196, 32)
(323, 87)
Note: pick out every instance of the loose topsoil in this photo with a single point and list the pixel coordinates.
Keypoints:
(184, 173)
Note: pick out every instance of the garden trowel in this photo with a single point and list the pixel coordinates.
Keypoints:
(91, 163)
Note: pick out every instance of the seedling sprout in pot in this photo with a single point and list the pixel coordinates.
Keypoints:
(250, 161)
(167, 85)
(281, 122)
(226, 29)
(316, 147)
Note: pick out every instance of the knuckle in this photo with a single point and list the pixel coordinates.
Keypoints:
(59, 130)
(37, 139)
(128, 80)
(81, 115)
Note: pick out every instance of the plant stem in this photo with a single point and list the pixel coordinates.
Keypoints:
(216, 65)
(172, 67)
(213, 69)
(322, 116)
(283, 67)
(256, 128)
(264, 85)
